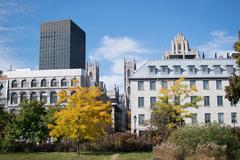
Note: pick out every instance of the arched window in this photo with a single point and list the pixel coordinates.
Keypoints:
(63, 82)
(23, 96)
(33, 96)
(54, 83)
(44, 83)
(43, 97)
(53, 97)
(74, 82)
(14, 84)
(34, 83)
(128, 73)
(14, 98)
(24, 83)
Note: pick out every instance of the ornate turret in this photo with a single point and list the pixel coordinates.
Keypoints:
(180, 49)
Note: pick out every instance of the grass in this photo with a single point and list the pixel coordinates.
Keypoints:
(73, 156)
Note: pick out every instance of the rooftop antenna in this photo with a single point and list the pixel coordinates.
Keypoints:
(11, 67)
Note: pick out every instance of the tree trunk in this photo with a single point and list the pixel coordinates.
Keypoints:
(78, 148)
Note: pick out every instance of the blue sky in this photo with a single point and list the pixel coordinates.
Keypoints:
(116, 29)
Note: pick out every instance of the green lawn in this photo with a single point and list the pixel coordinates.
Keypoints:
(73, 156)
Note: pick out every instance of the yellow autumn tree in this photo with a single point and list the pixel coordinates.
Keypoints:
(84, 118)
(171, 108)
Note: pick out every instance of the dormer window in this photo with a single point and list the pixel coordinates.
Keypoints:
(192, 69)
(217, 69)
(164, 70)
(230, 69)
(151, 70)
(205, 69)
(177, 69)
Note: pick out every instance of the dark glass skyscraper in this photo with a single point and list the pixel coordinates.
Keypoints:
(62, 45)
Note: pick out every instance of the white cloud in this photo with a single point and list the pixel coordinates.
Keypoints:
(220, 42)
(12, 29)
(114, 50)
(10, 8)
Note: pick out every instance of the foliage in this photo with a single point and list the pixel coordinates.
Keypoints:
(209, 152)
(5, 118)
(189, 137)
(171, 108)
(167, 151)
(233, 90)
(29, 125)
(84, 118)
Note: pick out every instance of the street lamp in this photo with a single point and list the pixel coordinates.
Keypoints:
(135, 122)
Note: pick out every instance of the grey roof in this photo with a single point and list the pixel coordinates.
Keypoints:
(143, 71)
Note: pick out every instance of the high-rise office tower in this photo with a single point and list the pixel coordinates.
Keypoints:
(62, 45)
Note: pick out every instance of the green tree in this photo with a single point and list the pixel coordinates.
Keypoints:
(29, 124)
(233, 90)
(171, 107)
(84, 118)
(5, 118)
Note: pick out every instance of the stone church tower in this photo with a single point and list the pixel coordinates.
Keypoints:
(129, 68)
(93, 73)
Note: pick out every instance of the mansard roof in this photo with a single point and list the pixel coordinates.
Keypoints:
(143, 71)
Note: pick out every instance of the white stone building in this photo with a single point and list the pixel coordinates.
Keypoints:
(40, 84)
(209, 75)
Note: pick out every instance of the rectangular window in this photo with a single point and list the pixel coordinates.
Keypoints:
(152, 101)
(219, 100)
(191, 70)
(207, 117)
(192, 83)
(232, 103)
(140, 85)
(206, 101)
(151, 70)
(194, 118)
(217, 69)
(220, 118)
(140, 102)
(193, 99)
(164, 69)
(177, 69)
(205, 69)
(141, 119)
(164, 84)
(152, 85)
(218, 84)
(205, 84)
(234, 117)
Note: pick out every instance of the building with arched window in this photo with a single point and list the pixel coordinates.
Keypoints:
(41, 85)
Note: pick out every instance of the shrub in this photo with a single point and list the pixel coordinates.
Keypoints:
(190, 136)
(167, 151)
(209, 151)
